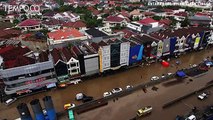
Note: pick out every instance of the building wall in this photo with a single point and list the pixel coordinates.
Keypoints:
(91, 64)
(173, 41)
(28, 77)
(166, 47)
(135, 54)
(105, 59)
(124, 53)
(73, 67)
(160, 49)
(115, 55)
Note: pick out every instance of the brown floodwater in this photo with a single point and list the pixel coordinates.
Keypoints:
(97, 86)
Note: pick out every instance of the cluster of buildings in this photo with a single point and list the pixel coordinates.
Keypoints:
(75, 51)
(24, 70)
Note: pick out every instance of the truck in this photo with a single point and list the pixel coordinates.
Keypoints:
(144, 111)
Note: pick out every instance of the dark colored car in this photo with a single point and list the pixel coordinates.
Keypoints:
(87, 99)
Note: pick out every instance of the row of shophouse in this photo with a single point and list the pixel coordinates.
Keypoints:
(24, 71)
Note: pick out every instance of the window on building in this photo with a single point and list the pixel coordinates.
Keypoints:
(73, 64)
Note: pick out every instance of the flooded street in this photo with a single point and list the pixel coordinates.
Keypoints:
(97, 86)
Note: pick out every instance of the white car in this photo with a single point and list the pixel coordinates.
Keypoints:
(154, 78)
(163, 76)
(169, 73)
(202, 96)
(79, 96)
(191, 117)
(194, 65)
(106, 94)
(10, 101)
(116, 90)
(129, 86)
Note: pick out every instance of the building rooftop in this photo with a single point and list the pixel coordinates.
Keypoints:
(77, 24)
(29, 22)
(43, 56)
(65, 34)
(56, 55)
(114, 19)
(147, 21)
(95, 32)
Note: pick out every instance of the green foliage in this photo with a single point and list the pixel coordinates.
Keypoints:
(105, 15)
(173, 21)
(44, 31)
(157, 17)
(60, 2)
(23, 17)
(117, 27)
(185, 23)
(64, 8)
(135, 19)
(16, 21)
(118, 8)
(2, 12)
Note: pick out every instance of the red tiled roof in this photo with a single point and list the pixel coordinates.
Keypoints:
(5, 49)
(67, 53)
(167, 10)
(43, 56)
(125, 14)
(29, 22)
(102, 43)
(76, 51)
(179, 32)
(165, 21)
(147, 21)
(9, 33)
(13, 53)
(77, 24)
(64, 34)
(114, 19)
(95, 46)
(183, 14)
(56, 55)
(202, 14)
(148, 13)
(19, 61)
(52, 22)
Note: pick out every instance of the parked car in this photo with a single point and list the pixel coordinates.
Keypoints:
(144, 111)
(194, 65)
(75, 82)
(79, 96)
(10, 101)
(154, 78)
(202, 96)
(63, 85)
(107, 94)
(116, 90)
(87, 99)
(129, 86)
(169, 73)
(163, 76)
(69, 106)
(191, 117)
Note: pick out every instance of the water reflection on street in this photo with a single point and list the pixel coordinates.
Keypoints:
(97, 86)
